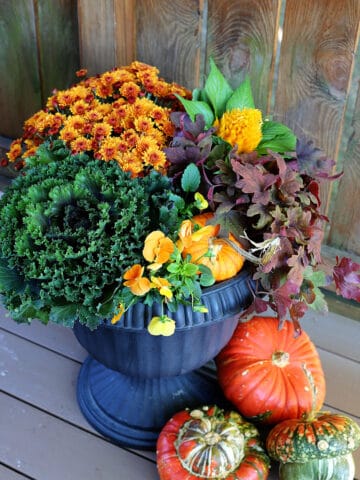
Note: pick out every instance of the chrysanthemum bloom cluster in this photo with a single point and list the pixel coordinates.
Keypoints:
(241, 127)
(123, 114)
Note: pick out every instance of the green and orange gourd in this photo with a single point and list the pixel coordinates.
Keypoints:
(317, 447)
(210, 443)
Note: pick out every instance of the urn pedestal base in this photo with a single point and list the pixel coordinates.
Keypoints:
(131, 411)
(133, 382)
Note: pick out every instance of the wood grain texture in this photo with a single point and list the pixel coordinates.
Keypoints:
(169, 35)
(345, 221)
(97, 35)
(242, 38)
(45, 447)
(316, 59)
(7, 474)
(20, 93)
(125, 34)
(57, 21)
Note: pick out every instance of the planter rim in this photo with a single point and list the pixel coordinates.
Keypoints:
(217, 287)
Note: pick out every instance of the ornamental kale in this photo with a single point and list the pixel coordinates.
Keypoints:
(69, 230)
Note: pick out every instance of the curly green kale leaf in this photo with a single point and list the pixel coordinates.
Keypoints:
(68, 231)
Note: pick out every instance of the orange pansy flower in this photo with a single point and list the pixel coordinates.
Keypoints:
(158, 248)
(135, 281)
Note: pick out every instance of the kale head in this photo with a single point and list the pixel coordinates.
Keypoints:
(68, 231)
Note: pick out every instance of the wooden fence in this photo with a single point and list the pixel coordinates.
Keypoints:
(301, 55)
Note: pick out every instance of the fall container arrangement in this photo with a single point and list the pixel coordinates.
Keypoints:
(147, 218)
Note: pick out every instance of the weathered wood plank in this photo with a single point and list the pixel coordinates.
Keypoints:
(317, 52)
(57, 21)
(334, 333)
(42, 377)
(45, 447)
(7, 474)
(344, 230)
(242, 39)
(96, 34)
(342, 382)
(53, 337)
(169, 35)
(20, 94)
(125, 34)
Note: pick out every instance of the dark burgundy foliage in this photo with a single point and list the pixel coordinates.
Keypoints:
(347, 278)
(266, 197)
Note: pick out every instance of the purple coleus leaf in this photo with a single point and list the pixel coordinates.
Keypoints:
(283, 297)
(253, 179)
(289, 181)
(347, 278)
(313, 162)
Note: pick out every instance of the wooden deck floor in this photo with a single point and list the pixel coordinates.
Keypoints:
(44, 436)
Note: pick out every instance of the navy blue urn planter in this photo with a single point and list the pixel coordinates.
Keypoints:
(133, 382)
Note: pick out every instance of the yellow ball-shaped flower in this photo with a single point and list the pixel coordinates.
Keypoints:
(241, 127)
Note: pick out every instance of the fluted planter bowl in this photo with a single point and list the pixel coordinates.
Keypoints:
(133, 382)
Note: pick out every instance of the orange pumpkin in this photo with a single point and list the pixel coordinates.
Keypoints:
(270, 374)
(225, 262)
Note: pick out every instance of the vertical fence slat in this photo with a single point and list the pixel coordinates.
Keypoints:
(125, 34)
(242, 38)
(97, 35)
(345, 220)
(57, 21)
(169, 36)
(314, 73)
(20, 84)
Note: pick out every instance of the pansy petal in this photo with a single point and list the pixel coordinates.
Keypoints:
(134, 272)
(161, 326)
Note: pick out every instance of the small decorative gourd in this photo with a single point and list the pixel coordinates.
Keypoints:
(317, 448)
(209, 443)
(217, 253)
(270, 373)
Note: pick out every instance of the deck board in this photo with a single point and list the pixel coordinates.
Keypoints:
(43, 435)
(47, 448)
(6, 474)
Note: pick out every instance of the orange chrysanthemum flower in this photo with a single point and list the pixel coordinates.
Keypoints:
(101, 130)
(79, 107)
(127, 114)
(241, 127)
(15, 150)
(109, 149)
(68, 134)
(155, 157)
(80, 144)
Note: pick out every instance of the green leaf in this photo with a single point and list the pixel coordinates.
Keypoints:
(64, 314)
(190, 179)
(206, 279)
(319, 304)
(242, 96)
(29, 310)
(173, 268)
(276, 137)
(194, 108)
(318, 279)
(217, 89)
(190, 269)
(9, 278)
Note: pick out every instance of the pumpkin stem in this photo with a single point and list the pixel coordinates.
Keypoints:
(280, 359)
